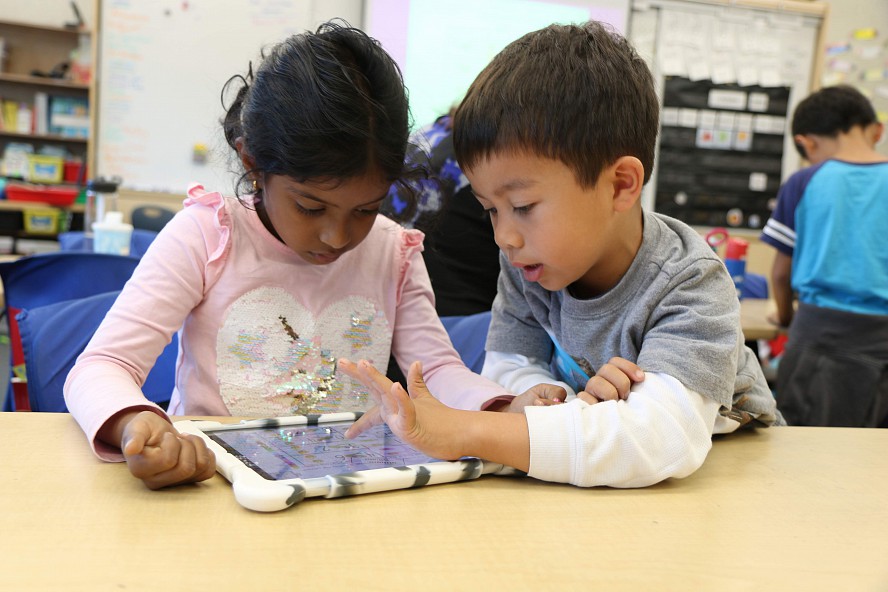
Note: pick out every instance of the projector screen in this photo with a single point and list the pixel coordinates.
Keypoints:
(441, 46)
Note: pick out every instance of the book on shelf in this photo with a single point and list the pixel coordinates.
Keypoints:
(41, 113)
(10, 115)
(68, 117)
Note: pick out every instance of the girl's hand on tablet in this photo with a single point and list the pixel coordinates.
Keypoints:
(160, 456)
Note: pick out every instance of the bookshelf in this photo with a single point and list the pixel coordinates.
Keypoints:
(49, 112)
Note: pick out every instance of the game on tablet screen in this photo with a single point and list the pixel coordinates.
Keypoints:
(316, 450)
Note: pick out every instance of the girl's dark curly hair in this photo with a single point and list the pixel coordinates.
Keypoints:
(322, 106)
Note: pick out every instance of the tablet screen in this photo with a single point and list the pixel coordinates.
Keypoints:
(316, 450)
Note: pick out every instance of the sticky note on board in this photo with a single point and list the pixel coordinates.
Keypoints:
(742, 141)
(199, 153)
(833, 49)
(705, 138)
(722, 139)
(874, 74)
(758, 102)
(865, 33)
(758, 181)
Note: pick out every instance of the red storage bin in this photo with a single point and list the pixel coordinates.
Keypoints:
(72, 171)
(56, 196)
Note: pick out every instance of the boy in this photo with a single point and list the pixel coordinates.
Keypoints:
(557, 138)
(832, 249)
(823, 122)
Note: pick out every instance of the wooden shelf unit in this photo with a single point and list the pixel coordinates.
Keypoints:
(33, 47)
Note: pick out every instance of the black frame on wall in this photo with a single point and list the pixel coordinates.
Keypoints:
(721, 152)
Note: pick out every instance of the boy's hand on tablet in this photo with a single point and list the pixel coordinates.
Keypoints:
(417, 418)
(160, 456)
(541, 394)
(612, 382)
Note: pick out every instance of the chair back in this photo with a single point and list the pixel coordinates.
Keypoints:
(151, 217)
(469, 335)
(754, 285)
(48, 278)
(75, 240)
(53, 336)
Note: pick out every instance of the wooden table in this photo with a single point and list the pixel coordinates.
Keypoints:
(754, 319)
(778, 509)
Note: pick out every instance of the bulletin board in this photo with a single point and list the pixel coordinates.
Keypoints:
(162, 68)
(860, 59)
(729, 77)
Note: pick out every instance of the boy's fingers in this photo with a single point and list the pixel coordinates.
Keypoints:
(588, 398)
(366, 374)
(365, 422)
(416, 386)
(602, 389)
(631, 369)
(401, 404)
(609, 383)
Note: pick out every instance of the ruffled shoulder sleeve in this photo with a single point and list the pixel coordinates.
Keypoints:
(410, 248)
(218, 242)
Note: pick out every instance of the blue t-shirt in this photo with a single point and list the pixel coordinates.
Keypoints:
(832, 219)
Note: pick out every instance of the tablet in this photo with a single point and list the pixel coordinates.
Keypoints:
(275, 463)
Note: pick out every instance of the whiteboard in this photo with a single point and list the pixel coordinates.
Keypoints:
(161, 71)
(441, 46)
(768, 45)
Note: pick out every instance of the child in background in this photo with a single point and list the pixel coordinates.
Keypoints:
(270, 287)
(461, 256)
(459, 251)
(829, 231)
(556, 136)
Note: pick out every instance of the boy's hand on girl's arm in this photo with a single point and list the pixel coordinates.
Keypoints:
(156, 453)
(612, 382)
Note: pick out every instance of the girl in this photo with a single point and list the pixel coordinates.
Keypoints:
(267, 293)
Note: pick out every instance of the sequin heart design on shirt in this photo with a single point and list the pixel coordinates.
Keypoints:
(274, 357)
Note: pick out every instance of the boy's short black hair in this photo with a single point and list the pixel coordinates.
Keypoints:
(832, 110)
(575, 93)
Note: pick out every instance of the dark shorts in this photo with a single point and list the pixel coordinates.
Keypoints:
(834, 371)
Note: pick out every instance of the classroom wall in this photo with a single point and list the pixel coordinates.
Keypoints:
(47, 12)
(865, 63)
(845, 17)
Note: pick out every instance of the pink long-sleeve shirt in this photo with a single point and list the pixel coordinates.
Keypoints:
(260, 329)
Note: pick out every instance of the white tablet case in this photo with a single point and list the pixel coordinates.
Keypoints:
(255, 492)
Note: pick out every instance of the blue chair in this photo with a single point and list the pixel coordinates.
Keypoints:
(48, 278)
(54, 335)
(75, 240)
(151, 217)
(754, 285)
(469, 335)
